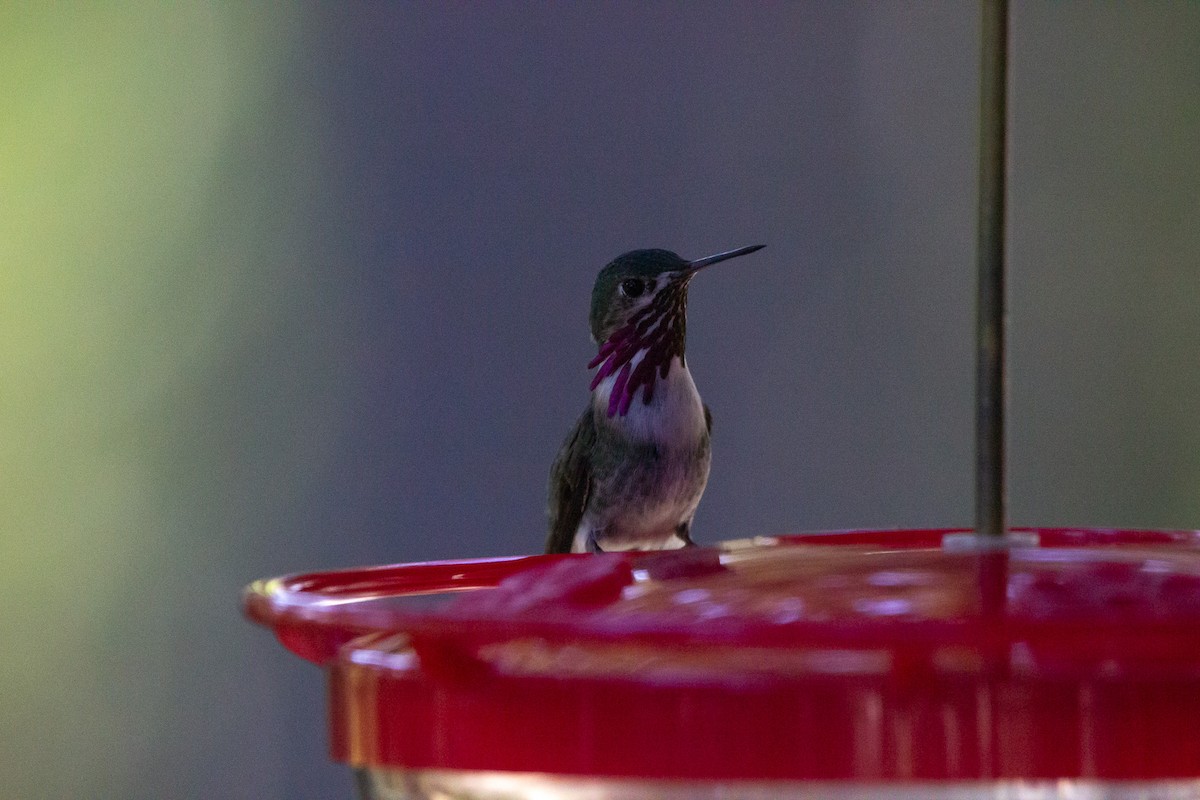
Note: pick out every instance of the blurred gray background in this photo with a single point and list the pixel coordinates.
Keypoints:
(305, 286)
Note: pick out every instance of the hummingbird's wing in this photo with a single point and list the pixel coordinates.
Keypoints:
(571, 484)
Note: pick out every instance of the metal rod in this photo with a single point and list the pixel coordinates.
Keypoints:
(990, 494)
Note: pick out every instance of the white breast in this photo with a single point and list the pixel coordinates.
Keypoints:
(673, 418)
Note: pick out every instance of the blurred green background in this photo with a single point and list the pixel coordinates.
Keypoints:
(299, 286)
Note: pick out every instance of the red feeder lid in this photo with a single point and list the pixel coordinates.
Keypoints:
(864, 656)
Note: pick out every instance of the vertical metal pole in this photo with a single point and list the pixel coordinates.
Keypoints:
(990, 494)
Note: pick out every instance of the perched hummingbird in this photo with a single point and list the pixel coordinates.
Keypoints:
(631, 472)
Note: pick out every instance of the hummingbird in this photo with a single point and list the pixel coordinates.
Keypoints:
(631, 472)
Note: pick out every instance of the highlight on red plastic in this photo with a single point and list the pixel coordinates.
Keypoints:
(861, 655)
(314, 614)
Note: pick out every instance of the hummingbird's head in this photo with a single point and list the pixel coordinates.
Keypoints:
(629, 285)
(639, 318)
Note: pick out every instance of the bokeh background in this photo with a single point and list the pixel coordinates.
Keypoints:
(300, 286)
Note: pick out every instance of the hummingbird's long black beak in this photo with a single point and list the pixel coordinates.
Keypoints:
(708, 261)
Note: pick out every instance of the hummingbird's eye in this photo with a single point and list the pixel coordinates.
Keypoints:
(632, 287)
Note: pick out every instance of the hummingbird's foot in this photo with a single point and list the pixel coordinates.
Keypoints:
(592, 545)
(684, 532)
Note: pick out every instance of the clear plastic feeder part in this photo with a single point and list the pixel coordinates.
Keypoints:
(896, 664)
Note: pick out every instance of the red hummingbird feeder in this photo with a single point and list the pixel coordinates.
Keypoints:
(910, 663)
(994, 663)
